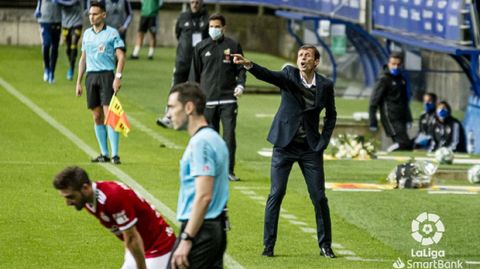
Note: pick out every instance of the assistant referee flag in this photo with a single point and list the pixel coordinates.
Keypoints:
(116, 117)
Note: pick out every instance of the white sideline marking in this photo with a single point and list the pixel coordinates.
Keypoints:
(355, 258)
(299, 223)
(308, 230)
(140, 126)
(346, 252)
(259, 198)
(288, 216)
(335, 245)
(165, 210)
(248, 193)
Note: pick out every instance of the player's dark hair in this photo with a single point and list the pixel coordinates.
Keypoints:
(73, 177)
(432, 96)
(190, 92)
(397, 55)
(97, 3)
(312, 47)
(219, 17)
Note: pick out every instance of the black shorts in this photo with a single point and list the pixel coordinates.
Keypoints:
(99, 88)
(148, 24)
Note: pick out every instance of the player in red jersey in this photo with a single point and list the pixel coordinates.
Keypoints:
(148, 238)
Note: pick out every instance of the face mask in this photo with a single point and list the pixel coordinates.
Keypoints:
(394, 71)
(215, 33)
(429, 107)
(443, 113)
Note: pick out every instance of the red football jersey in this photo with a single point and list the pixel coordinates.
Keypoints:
(119, 207)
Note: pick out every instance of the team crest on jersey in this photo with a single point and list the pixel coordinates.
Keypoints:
(206, 168)
(208, 54)
(227, 56)
(104, 217)
(120, 217)
(101, 48)
(186, 24)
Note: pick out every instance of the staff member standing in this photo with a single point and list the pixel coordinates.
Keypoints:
(221, 80)
(190, 29)
(49, 17)
(295, 138)
(203, 183)
(390, 95)
(102, 47)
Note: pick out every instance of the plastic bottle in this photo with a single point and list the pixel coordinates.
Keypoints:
(471, 142)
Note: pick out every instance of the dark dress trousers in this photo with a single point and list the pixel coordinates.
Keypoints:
(296, 138)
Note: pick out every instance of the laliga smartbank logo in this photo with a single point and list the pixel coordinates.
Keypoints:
(427, 229)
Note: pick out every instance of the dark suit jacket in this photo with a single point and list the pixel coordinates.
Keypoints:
(293, 111)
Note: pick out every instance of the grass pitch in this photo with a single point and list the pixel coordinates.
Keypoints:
(37, 230)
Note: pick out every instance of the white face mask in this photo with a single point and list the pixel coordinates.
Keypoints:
(215, 33)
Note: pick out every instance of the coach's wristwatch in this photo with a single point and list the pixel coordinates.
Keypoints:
(118, 75)
(185, 236)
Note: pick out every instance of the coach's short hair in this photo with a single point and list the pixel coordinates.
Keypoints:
(73, 177)
(432, 96)
(191, 92)
(312, 47)
(219, 17)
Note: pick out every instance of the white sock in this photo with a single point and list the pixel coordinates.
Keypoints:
(136, 51)
(150, 51)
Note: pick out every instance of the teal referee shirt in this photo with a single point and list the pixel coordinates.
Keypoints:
(100, 48)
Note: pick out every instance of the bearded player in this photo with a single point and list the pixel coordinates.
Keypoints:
(147, 237)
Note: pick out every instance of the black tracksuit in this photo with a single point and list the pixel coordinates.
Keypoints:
(390, 95)
(187, 25)
(213, 68)
(449, 134)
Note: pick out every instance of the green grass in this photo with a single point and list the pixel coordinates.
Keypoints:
(37, 230)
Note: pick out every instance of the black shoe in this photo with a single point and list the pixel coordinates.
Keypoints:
(133, 57)
(164, 122)
(116, 160)
(232, 177)
(150, 57)
(101, 159)
(327, 252)
(267, 252)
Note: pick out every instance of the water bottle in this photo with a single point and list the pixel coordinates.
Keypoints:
(470, 142)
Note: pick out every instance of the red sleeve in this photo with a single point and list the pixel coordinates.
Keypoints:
(120, 207)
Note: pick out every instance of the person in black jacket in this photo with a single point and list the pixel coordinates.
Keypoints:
(296, 138)
(221, 80)
(426, 122)
(390, 95)
(448, 131)
(190, 29)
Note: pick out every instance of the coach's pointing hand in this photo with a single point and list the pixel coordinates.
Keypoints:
(239, 59)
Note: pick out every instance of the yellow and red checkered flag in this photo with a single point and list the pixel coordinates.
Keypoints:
(116, 117)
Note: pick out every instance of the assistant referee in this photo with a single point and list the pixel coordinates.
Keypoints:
(102, 47)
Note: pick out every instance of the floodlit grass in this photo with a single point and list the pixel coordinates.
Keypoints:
(37, 230)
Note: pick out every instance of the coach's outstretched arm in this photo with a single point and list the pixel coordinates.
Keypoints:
(278, 79)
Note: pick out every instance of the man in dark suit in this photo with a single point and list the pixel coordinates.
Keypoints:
(296, 138)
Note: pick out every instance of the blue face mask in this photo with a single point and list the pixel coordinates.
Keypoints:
(394, 71)
(215, 33)
(442, 113)
(429, 107)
